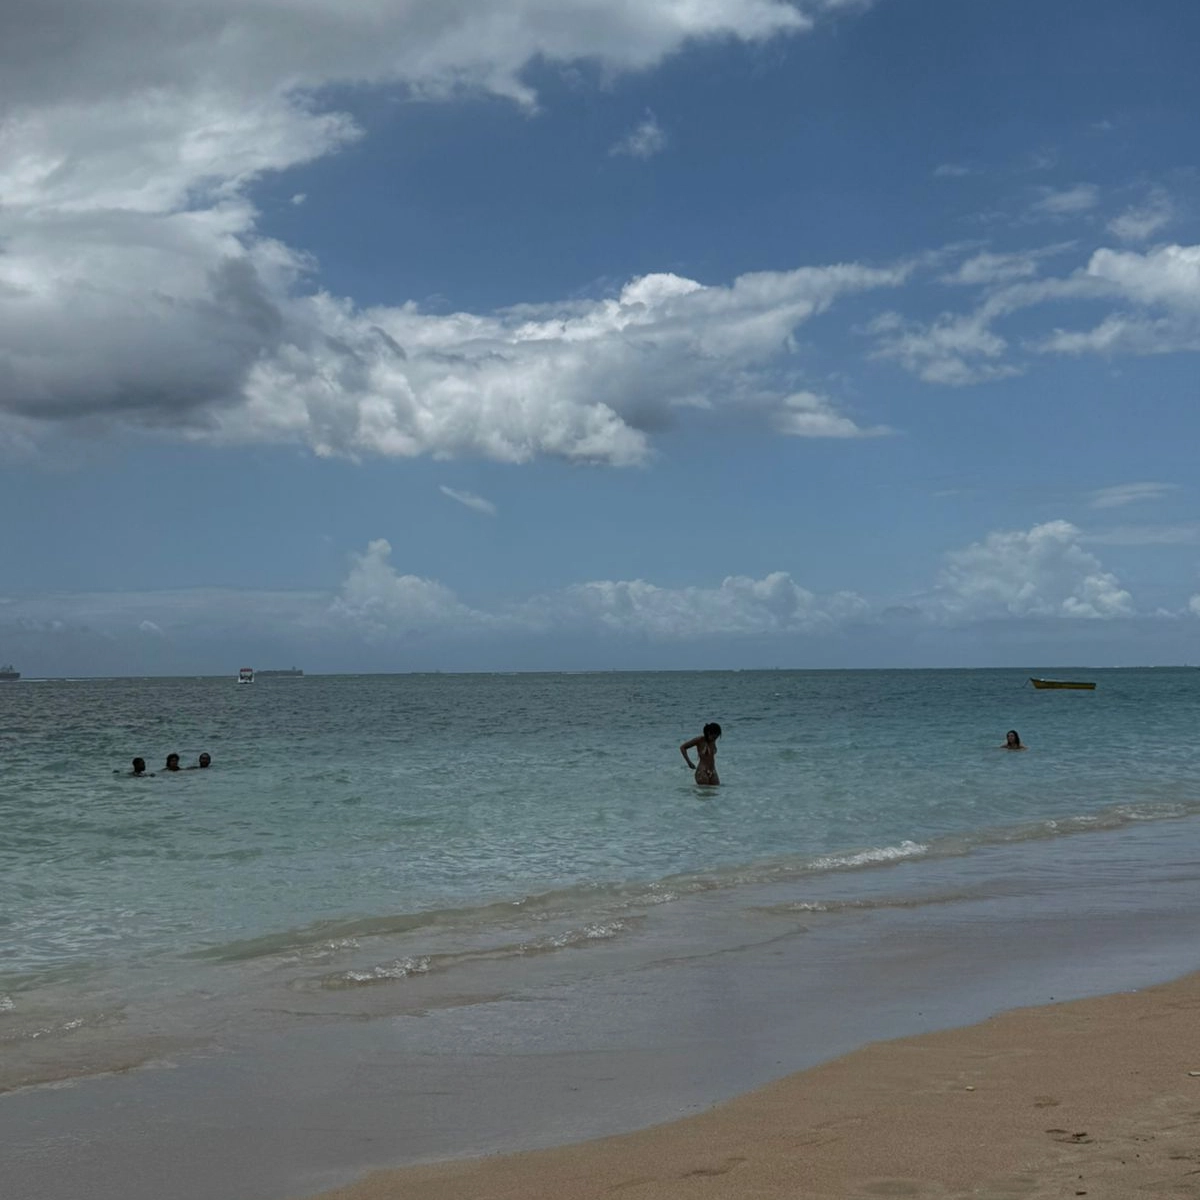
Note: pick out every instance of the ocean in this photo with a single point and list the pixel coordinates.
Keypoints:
(420, 847)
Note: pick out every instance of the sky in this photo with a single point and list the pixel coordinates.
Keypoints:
(402, 335)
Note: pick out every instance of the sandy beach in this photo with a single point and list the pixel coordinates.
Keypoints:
(1097, 1097)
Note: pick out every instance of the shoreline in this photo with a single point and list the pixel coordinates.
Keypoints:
(707, 1002)
(1098, 1097)
(429, 951)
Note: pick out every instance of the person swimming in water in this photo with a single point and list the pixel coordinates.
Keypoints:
(706, 753)
(172, 762)
(1012, 741)
(139, 768)
(205, 760)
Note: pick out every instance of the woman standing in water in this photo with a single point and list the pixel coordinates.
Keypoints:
(706, 752)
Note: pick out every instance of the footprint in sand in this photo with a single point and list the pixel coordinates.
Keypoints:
(1065, 1135)
(724, 1168)
(1045, 1102)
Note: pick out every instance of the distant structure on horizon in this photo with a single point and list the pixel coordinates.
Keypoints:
(289, 671)
(8, 673)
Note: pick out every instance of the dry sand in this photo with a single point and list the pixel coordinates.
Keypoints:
(1092, 1098)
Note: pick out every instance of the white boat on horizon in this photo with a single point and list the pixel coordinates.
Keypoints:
(246, 675)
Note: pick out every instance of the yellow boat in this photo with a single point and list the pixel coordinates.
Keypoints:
(1078, 685)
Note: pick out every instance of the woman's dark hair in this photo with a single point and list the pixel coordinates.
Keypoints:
(1012, 733)
(712, 730)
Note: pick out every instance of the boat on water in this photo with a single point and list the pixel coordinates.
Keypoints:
(246, 675)
(1078, 685)
(289, 672)
(9, 674)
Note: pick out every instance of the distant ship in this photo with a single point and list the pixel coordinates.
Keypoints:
(290, 671)
(8, 674)
(246, 675)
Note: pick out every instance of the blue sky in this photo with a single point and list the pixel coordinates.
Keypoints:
(401, 336)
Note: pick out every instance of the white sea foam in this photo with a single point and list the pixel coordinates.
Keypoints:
(57, 1029)
(425, 964)
(400, 969)
(596, 932)
(866, 858)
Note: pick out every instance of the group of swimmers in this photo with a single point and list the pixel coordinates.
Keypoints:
(139, 766)
(705, 745)
(704, 768)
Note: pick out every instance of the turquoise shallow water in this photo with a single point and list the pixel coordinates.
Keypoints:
(359, 829)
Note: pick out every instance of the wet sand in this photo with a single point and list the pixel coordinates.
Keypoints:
(1098, 1097)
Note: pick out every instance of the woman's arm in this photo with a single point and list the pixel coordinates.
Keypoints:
(686, 747)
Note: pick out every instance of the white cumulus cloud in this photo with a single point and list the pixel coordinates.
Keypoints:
(1160, 286)
(1167, 275)
(807, 414)
(136, 289)
(739, 606)
(381, 602)
(1040, 572)
(584, 380)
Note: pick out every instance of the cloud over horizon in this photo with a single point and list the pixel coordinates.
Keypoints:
(1040, 574)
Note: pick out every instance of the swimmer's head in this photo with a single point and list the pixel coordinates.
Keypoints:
(712, 731)
(172, 762)
(1012, 738)
(139, 766)
(204, 760)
